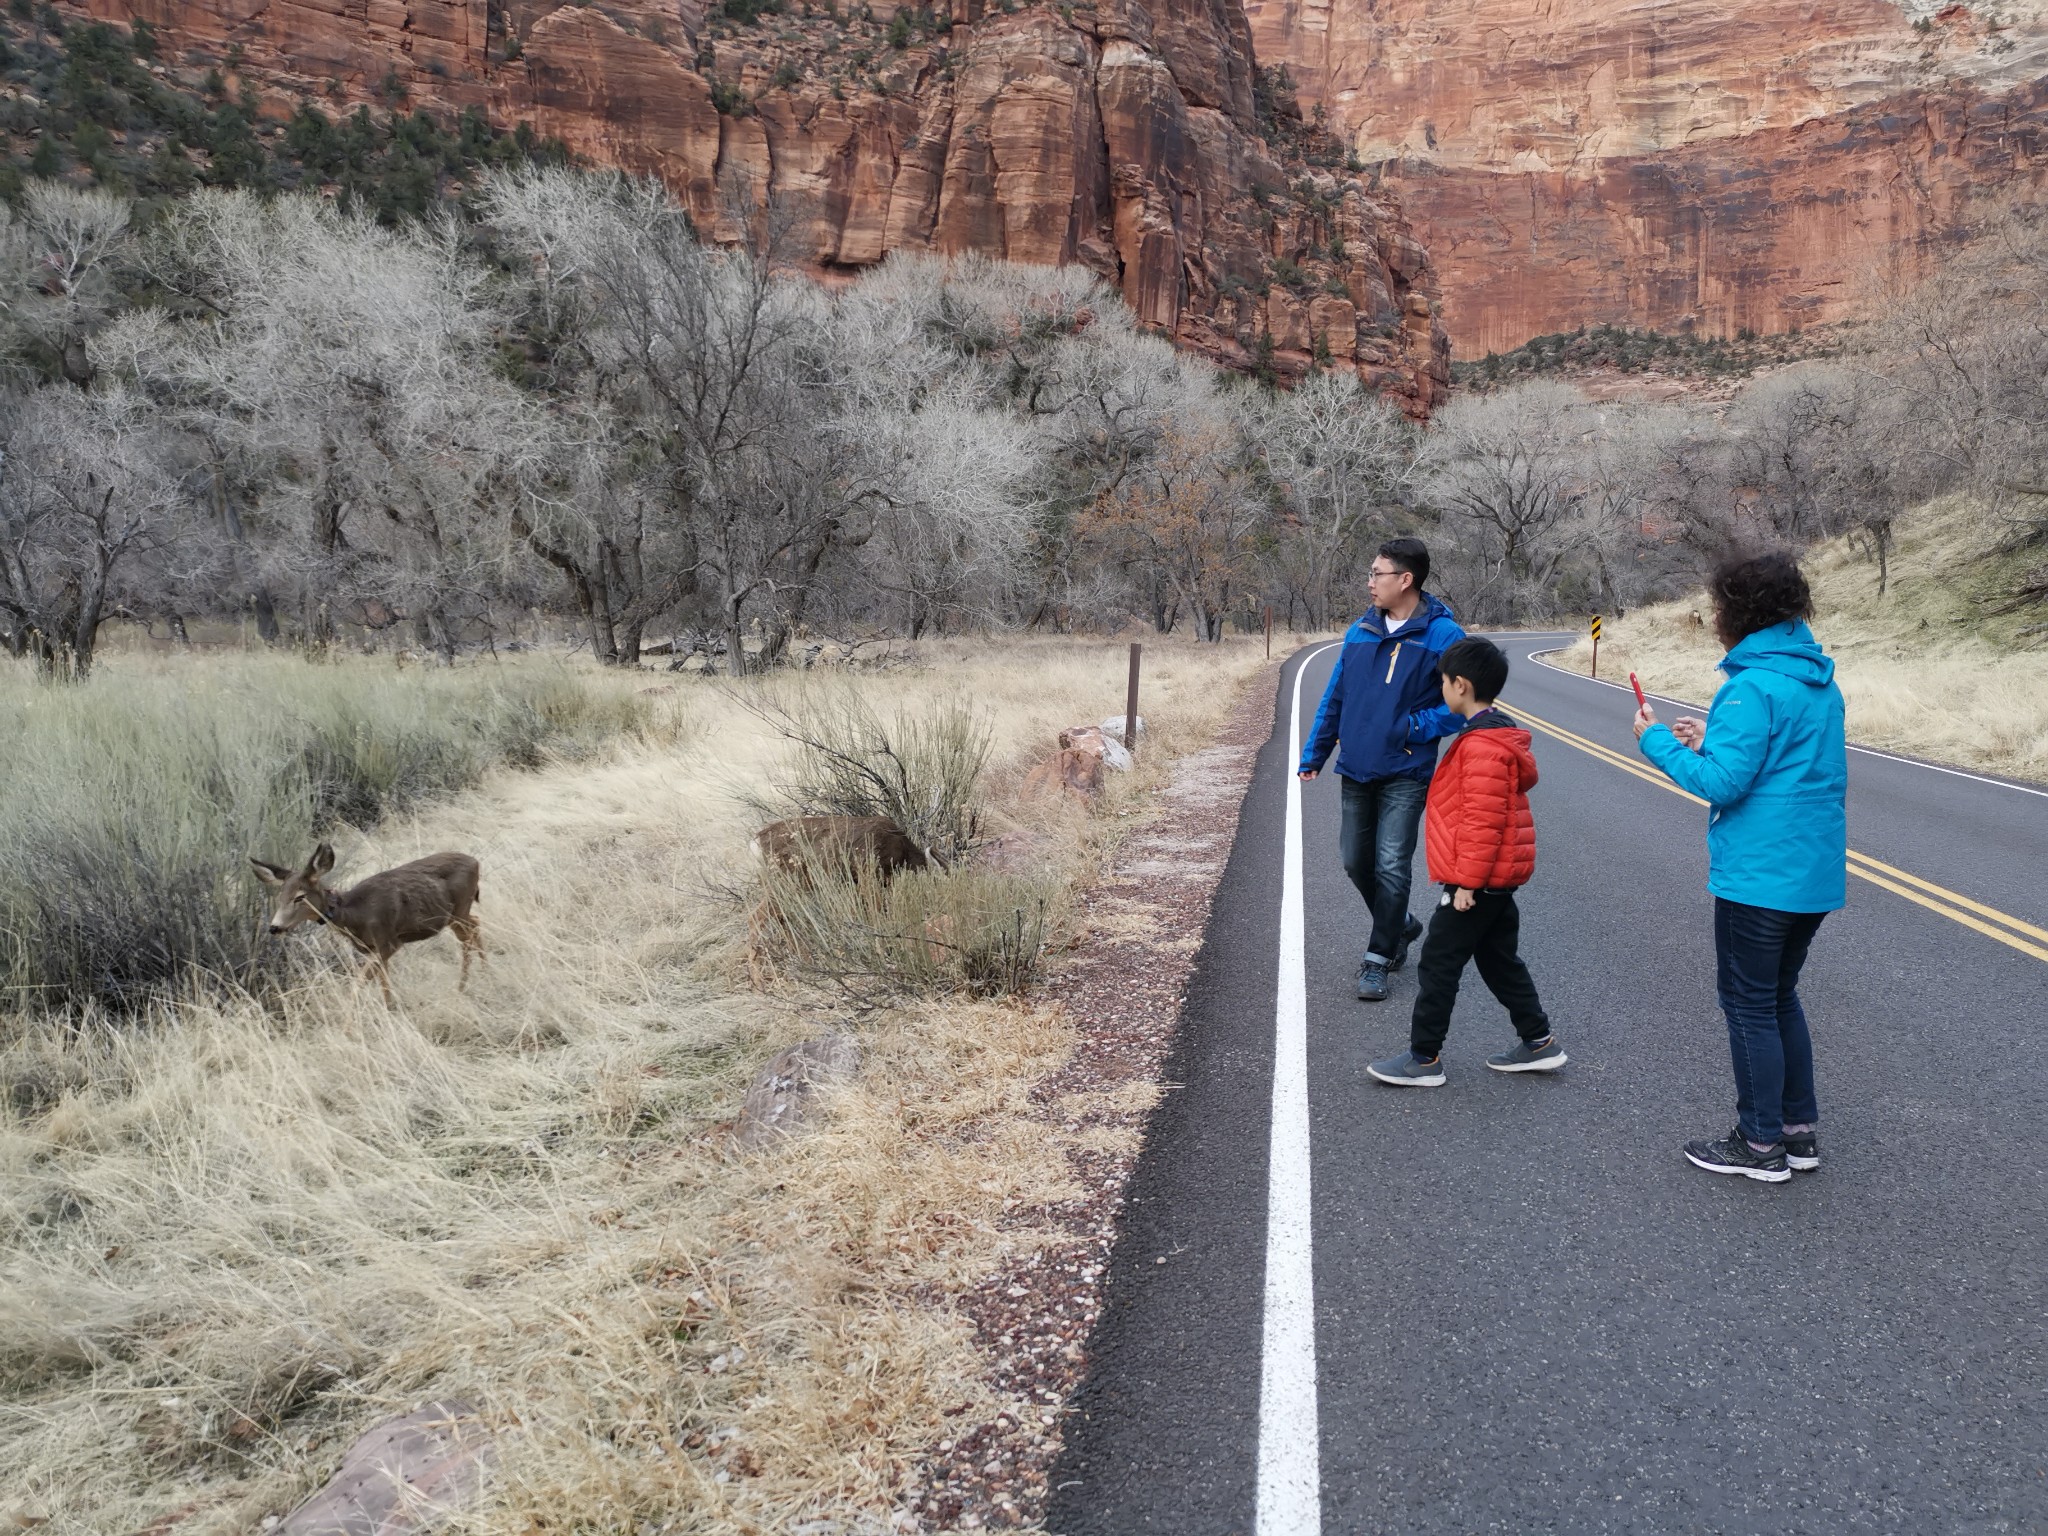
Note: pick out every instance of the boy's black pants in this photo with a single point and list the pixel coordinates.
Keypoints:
(1487, 934)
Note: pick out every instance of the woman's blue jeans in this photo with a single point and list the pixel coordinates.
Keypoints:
(1758, 952)
(1377, 841)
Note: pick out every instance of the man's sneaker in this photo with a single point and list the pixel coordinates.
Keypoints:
(1802, 1151)
(1409, 934)
(1733, 1154)
(1372, 982)
(1409, 1070)
(1546, 1056)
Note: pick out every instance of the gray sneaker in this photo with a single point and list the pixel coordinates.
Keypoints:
(1546, 1056)
(1372, 982)
(1408, 1070)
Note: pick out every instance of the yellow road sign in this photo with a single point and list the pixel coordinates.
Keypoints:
(1596, 626)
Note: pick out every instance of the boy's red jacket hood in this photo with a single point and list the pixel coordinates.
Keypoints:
(1480, 831)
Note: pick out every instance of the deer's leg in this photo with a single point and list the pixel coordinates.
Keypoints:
(380, 963)
(469, 934)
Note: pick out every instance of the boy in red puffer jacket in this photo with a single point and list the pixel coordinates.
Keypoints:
(1482, 846)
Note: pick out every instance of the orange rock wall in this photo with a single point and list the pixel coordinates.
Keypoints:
(1122, 137)
(1762, 164)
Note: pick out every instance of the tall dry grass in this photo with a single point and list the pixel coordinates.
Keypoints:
(231, 1239)
(1925, 668)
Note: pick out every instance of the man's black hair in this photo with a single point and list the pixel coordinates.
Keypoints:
(1410, 555)
(1480, 662)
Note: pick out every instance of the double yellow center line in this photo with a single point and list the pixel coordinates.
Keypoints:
(1989, 921)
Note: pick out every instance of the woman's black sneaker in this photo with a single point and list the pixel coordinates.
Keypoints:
(1733, 1154)
(1372, 982)
(1802, 1152)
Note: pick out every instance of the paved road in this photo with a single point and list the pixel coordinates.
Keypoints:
(1529, 1313)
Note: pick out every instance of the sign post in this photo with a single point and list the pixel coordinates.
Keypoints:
(1596, 645)
(1131, 700)
(1269, 631)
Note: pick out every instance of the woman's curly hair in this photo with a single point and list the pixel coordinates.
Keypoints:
(1753, 592)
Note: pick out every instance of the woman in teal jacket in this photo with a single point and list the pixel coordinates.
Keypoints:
(1771, 761)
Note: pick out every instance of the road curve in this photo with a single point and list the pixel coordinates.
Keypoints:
(1528, 1312)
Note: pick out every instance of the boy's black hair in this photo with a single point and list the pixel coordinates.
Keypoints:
(1480, 662)
(1754, 592)
(1410, 555)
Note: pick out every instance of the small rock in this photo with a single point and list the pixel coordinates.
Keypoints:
(1078, 775)
(405, 1475)
(1113, 728)
(782, 1096)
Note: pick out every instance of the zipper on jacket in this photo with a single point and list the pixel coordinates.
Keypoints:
(1394, 660)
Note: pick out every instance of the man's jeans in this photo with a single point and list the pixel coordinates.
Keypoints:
(1381, 819)
(1490, 933)
(1758, 952)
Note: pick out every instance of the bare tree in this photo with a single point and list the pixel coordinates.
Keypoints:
(89, 521)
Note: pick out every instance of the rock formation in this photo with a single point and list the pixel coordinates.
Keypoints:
(1125, 135)
(1764, 164)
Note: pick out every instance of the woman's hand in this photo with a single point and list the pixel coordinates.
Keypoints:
(1690, 731)
(1645, 718)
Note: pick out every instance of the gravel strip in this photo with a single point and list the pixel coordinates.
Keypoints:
(1124, 988)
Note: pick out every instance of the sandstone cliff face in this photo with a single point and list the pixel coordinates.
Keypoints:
(1124, 136)
(1758, 164)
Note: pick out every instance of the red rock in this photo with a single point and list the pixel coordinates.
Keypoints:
(1692, 163)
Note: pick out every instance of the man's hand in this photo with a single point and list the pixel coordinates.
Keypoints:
(1645, 718)
(1307, 774)
(1690, 731)
(1462, 899)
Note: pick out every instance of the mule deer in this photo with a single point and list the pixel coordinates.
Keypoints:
(800, 845)
(382, 913)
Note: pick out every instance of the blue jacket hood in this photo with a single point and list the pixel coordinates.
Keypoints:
(1431, 609)
(1788, 649)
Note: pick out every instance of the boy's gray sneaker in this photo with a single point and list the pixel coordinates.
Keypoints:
(1546, 1056)
(1802, 1151)
(1409, 934)
(1372, 982)
(1408, 1070)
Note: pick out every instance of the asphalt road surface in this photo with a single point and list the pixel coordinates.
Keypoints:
(1509, 1304)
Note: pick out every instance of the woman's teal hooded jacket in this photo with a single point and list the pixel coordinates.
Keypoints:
(1774, 769)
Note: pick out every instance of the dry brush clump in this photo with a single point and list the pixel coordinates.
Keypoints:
(234, 1234)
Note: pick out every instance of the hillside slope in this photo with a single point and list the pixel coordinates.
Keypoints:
(1927, 667)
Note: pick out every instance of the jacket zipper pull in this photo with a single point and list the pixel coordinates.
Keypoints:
(1394, 660)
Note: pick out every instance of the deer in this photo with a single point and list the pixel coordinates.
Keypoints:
(801, 845)
(384, 912)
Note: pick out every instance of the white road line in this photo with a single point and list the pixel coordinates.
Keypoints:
(1290, 1449)
(1890, 757)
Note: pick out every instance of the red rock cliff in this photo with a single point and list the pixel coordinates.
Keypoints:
(1762, 163)
(1125, 136)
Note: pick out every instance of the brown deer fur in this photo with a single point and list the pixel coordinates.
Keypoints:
(801, 844)
(386, 911)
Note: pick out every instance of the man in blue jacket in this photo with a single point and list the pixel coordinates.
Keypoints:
(1386, 705)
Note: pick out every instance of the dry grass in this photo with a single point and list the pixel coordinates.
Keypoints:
(233, 1237)
(1923, 668)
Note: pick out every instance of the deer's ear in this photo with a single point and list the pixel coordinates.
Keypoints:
(322, 860)
(270, 874)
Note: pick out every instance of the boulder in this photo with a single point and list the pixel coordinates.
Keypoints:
(1113, 728)
(1075, 774)
(1091, 738)
(782, 1096)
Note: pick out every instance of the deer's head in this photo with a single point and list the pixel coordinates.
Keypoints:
(300, 896)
